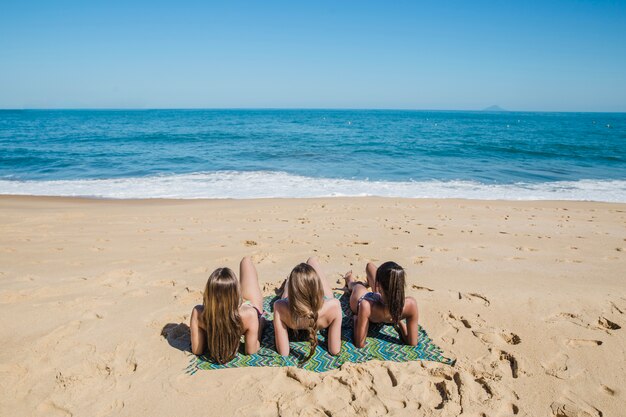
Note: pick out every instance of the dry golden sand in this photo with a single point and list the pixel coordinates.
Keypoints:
(530, 297)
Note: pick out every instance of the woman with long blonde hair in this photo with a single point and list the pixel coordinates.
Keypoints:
(231, 308)
(307, 304)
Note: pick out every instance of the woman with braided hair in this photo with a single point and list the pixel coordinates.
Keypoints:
(384, 303)
(307, 304)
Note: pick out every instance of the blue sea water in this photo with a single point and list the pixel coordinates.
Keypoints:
(312, 153)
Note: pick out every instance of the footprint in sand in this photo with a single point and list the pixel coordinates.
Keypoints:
(498, 337)
(607, 390)
(616, 309)
(504, 363)
(166, 283)
(515, 258)
(435, 249)
(468, 259)
(260, 258)
(419, 288)
(50, 408)
(572, 406)
(484, 387)
(455, 321)
(608, 324)
(570, 318)
(558, 366)
(475, 298)
(512, 361)
(583, 342)
(568, 260)
(485, 392)
(526, 249)
(250, 243)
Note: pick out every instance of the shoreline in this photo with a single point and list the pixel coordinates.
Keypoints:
(328, 198)
(279, 184)
(528, 296)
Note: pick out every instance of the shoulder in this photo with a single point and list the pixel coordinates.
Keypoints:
(281, 302)
(246, 311)
(332, 302)
(410, 306)
(281, 305)
(249, 317)
(196, 314)
(410, 301)
(333, 307)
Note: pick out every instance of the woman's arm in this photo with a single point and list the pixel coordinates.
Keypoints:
(362, 323)
(334, 330)
(198, 334)
(412, 317)
(404, 333)
(280, 329)
(252, 333)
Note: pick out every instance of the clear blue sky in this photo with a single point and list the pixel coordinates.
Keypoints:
(523, 55)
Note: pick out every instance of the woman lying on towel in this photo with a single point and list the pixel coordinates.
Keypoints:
(307, 304)
(231, 308)
(385, 303)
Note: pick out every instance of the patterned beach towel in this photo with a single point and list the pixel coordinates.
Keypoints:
(383, 343)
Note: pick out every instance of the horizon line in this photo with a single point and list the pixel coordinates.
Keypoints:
(485, 110)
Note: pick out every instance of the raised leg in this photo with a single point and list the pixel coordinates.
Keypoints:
(249, 279)
(283, 291)
(370, 270)
(356, 288)
(328, 292)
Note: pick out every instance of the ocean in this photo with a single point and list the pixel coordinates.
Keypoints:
(313, 153)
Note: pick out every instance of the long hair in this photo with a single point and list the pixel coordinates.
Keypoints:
(306, 297)
(390, 278)
(221, 315)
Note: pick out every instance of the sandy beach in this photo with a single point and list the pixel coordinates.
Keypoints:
(529, 297)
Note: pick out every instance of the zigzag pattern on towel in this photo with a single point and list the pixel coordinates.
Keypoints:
(383, 343)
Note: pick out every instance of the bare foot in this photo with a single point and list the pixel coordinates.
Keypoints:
(281, 290)
(349, 279)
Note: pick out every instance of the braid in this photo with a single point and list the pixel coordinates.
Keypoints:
(306, 298)
(312, 336)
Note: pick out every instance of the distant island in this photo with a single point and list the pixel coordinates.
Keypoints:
(494, 108)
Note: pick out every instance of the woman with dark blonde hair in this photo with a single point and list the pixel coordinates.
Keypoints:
(231, 308)
(384, 303)
(307, 304)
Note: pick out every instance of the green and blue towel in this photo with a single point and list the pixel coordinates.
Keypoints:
(383, 343)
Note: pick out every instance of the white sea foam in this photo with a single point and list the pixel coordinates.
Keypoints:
(262, 184)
